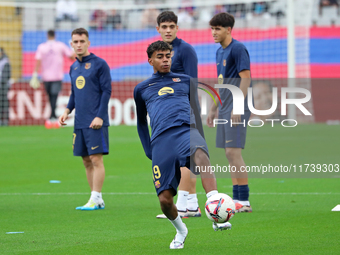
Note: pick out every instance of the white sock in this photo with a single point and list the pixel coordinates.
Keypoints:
(182, 198)
(180, 227)
(96, 196)
(213, 192)
(244, 203)
(236, 201)
(192, 203)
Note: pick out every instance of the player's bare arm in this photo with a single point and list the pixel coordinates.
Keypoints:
(245, 81)
(212, 113)
(244, 85)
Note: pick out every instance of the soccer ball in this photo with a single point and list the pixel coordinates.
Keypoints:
(220, 208)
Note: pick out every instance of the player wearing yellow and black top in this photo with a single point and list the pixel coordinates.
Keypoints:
(91, 92)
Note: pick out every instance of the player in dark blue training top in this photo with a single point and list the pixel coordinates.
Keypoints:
(91, 92)
(177, 132)
(184, 61)
(233, 67)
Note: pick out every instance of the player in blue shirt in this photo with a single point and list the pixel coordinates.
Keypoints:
(91, 92)
(233, 67)
(177, 133)
(184, 61)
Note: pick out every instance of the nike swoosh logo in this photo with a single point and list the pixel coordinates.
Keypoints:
(152, 83)
(93, 148)
(75, 68)
(217, 64)
(228, 141)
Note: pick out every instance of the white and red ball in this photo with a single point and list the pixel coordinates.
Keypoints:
(220, 208)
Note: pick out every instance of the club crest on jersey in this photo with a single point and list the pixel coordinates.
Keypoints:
(157, 184)
(165, 90)
(172, 53)
(87, 65)
(176, 79)
(224, 62)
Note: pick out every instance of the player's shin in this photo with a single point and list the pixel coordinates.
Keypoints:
(167, 204)
(207, 176)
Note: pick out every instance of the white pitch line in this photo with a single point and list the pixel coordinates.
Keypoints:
(75, 193)
(154, 193)
(296, 193)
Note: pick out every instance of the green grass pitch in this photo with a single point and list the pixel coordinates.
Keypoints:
(291, 215)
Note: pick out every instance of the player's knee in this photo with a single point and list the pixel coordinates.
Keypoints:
(201, 158)
(232, 153)
(96, 159)
(166, 204)
(165, 201)
(87, 161)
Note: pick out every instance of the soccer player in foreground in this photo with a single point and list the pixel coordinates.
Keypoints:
(91, 92)
(233, 67)
(177, 133)
(184, 61)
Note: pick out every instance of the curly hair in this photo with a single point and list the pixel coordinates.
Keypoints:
(158, 46)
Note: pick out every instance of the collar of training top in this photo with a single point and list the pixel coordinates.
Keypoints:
(87, 58)
(176, 41)
(157, 74)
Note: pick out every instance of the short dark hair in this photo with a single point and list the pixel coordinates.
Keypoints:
(51, 33)
(222, 19)
(158, 46)
(167, 16)
(80, 31)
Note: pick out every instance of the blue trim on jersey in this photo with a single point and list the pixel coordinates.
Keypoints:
(238, 136)
(103, 142)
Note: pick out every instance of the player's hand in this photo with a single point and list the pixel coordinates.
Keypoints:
(210, 118)
(63, 118)
(235, 118)
(96, 123)
(34, 82)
